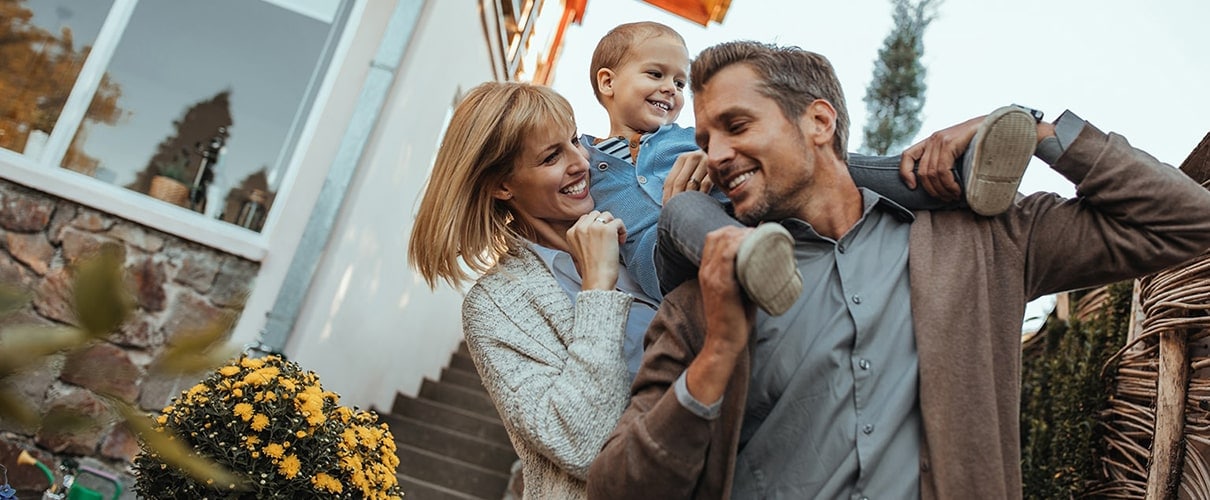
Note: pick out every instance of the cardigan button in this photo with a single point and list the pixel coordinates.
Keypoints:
(642, 179)
(602, 166)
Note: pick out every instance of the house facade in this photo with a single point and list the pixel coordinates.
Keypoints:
(259, 160)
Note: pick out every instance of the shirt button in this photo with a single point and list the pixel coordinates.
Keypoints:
(840, 248)
(642, 179)
(856, 299)
(865, 364)
(868, 429)
(602, 166)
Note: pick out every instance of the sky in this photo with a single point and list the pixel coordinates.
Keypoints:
(1141, 69)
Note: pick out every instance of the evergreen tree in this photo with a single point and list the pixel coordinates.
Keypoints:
(896, 93)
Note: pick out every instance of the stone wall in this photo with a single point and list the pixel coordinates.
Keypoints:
(178, 285)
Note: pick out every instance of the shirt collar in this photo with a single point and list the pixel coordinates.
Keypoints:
(563, 268)
(870, 200)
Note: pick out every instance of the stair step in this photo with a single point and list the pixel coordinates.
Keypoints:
(458, 397)
(463, 361)
(462, 348)
(423, 490)
(453, 444)
(450, 473)
(462, 379)
(486, 428)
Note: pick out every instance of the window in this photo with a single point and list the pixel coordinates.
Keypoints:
(198, 104)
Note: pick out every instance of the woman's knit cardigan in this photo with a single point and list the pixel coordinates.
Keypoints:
(554, 370)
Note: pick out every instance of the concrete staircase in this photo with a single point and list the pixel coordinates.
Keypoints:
(450, 441)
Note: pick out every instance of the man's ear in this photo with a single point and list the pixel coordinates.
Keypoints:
(818, 122)
(605, 81)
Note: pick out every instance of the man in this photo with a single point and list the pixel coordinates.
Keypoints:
(891, 377)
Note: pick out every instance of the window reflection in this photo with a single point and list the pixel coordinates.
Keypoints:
(43, 45)
(210, 95)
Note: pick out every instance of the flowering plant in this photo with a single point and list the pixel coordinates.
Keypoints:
(271, 424)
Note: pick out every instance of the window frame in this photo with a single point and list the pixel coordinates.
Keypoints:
(45, 173)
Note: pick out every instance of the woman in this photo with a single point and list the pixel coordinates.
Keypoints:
(546, 323)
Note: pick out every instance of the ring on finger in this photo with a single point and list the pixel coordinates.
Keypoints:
(694, 181)
(601, 220)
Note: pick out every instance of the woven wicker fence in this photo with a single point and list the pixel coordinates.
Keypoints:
(1155, 429)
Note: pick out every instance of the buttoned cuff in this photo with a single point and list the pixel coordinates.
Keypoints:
(708, 412)
(1067, 128)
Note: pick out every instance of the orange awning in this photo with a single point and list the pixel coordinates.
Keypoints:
(698, 11)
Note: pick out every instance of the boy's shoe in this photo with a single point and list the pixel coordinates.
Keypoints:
(997, 158)
(767, 271)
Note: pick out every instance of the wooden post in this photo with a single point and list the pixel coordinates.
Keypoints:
(1168, 447)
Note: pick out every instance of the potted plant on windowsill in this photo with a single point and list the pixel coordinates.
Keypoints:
(170, 184)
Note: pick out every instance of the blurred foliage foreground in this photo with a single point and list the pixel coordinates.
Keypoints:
(253, 428)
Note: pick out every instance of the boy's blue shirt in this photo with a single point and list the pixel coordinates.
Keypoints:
(634, 193)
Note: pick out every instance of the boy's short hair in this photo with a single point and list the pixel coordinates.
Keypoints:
(614, 47)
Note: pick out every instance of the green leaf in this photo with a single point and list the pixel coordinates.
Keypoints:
(101, 298)
(12, 299)
(198, 350)
(22, 346)
(14, 409)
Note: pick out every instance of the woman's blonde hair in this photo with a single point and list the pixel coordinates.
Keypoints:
(459, 218)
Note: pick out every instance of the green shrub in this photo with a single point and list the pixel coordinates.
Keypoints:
(1063, 395)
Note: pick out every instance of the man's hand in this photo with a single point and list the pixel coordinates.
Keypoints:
(688, 174)
(930, 162)
(728, 316)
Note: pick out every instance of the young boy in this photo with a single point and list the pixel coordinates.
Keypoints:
(639, 73)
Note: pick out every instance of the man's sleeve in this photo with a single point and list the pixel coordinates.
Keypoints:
(660, 448)
(1132, 215)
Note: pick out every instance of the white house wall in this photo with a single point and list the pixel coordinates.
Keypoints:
(319, 150)
(369, 325)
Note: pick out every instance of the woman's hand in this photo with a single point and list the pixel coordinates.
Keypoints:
(593, 243)
(688, 174)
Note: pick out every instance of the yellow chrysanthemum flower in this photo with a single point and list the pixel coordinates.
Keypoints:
(243, 411)
(252, 363)
(350, 438)
(275, 450)
(196, 390)
(327, 483)
(289, 466)
(259, 422)
(288, 384)
(262, 376)
(229, 370)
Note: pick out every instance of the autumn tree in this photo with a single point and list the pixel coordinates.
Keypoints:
(37, 72)
(195, 128)
(896, 93)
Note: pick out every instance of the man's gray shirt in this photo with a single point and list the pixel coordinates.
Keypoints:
(832, 406)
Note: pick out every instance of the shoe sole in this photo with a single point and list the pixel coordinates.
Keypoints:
(767, 270)
(1004, 144)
